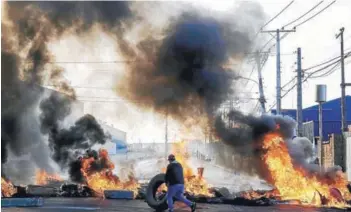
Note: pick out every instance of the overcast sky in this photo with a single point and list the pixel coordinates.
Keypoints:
(316, 38)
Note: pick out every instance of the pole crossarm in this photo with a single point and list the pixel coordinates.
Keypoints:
(280, 30)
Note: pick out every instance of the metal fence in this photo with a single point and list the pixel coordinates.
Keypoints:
(308, 130)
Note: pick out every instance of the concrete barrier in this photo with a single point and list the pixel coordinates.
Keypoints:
(118, 194)
(22, 202)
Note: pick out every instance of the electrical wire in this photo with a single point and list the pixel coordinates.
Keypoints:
(336, 63)
(332, 70)
(303, 15)
(328, 61)
(286, 7)
(286, 84)
(315, 14)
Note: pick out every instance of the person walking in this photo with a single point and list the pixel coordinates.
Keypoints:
(175, 182)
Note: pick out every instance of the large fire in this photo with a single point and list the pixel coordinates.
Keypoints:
(295, 183)
(43, 178)
(194, 184)
(7, 188)
(104, 179)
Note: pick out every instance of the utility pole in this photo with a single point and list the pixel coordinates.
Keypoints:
(278, 86)
(343, 106)
(343, 102)
(299, 94)
(260, 83)
(166, 135)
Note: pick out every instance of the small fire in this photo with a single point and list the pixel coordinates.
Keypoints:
(104, 179)
(295, 183)
(7, 188)
(43, 178)
(194, 184)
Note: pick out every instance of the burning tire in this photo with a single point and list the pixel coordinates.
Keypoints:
(155, 202)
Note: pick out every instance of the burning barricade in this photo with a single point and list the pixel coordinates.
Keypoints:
(293, 182)
(44, 178)
(7, 188)
(95, 170)
(98, 175)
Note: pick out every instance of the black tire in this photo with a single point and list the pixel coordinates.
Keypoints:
(158, 205)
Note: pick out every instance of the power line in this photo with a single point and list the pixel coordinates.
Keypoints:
(90, 62)
(328, 61)
(326, 73)
(332, 70)
(286, 7)
(124, 61)
(286, 34)
(286, 84)
(327, 66)
(315, 14)
(310, 10)
(336, 63)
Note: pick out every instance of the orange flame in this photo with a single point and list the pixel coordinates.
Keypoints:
(43, 178)
(7, 188)
(295, 183)
(105, 179)
(194, 184)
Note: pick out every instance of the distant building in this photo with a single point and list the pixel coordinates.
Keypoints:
(331, 116)
(118, 142)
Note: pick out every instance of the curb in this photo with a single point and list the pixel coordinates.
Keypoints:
(118, 194)
(22, 202)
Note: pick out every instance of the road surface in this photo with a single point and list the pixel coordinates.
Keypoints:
(214, 175)
(94, 204)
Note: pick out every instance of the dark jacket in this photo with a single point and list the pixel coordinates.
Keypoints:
(174, 174)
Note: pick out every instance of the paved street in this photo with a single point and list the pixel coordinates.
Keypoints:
(93, 204)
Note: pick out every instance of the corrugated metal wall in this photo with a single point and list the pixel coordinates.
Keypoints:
(331, 116)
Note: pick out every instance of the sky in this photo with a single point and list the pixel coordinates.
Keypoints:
(94, 83)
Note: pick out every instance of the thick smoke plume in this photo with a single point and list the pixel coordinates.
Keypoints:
(28, 27)
(186, 74)
(85, 133)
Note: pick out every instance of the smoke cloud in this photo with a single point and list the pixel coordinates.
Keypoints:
(186, 73)
(27, 29)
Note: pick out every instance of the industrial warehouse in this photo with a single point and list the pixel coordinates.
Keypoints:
(176, 106)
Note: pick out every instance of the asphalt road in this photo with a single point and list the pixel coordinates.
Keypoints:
(94, 204)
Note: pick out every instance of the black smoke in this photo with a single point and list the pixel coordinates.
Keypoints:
(85, 133)
(185, 73)
(250, 128)
(27, 28)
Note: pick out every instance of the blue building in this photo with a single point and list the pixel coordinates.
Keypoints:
(331, 116)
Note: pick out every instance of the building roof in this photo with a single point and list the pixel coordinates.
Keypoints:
(330, 102)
